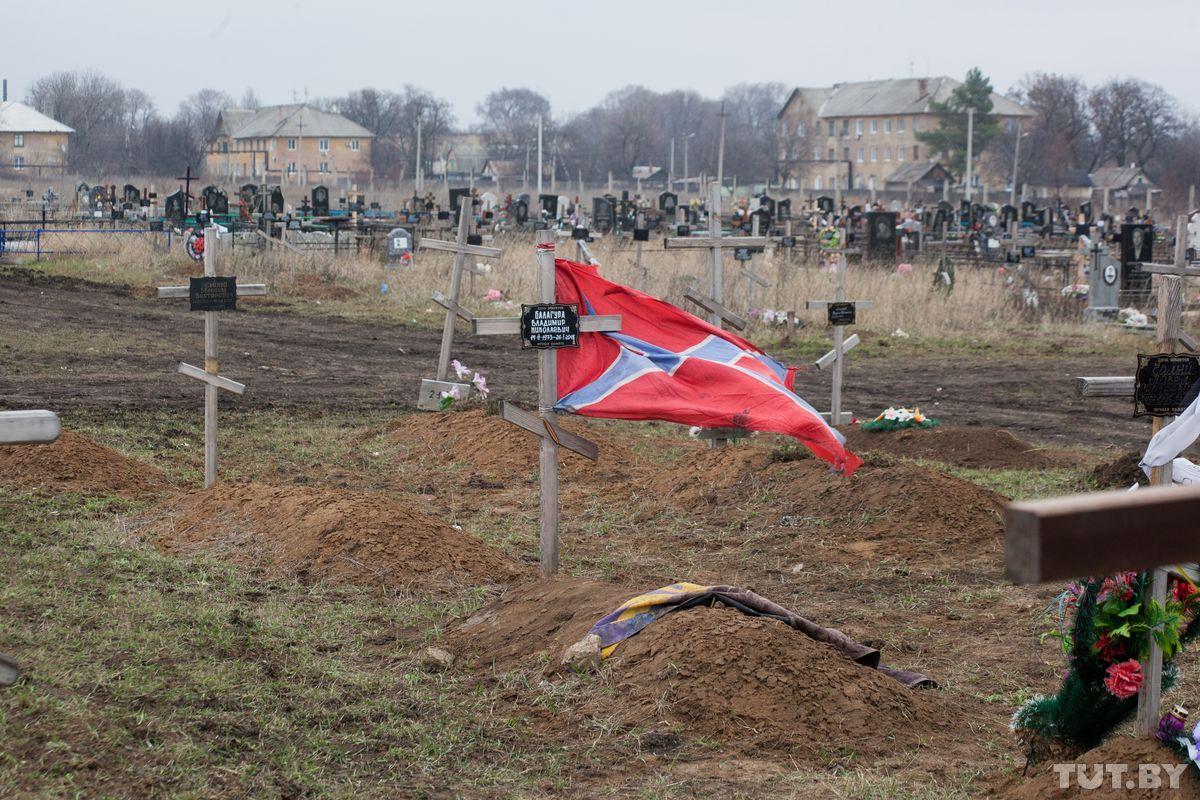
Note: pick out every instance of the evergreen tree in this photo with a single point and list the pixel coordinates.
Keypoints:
(949, 139)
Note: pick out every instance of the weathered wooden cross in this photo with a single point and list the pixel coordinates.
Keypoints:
(430, 396)
(545, 424)
(841, 312)
(750, 273)
(211, 294)
(714, 301)
(1103, 533)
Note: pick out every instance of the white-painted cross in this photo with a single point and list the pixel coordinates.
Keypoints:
(209, 374)
(545, 424)
(430, 396)
(837, 356)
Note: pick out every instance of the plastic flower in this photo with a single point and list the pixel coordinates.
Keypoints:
(480, 385)
(904, 269)
(493, 296)
(1184, 592)
(1124, 679)
(1119, 586)
(1110, 649)
(460, 370)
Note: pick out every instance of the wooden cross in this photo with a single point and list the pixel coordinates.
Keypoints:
(1090, 534)
(751, 273)
(430, 395)
(841, 346)
(209, 374)
(187, 177)
(545, 424)
(714, 301)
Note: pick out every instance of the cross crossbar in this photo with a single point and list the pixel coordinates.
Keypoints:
(827, 360)
(544, 426)
(450, 305)
(708, 242)
(214, 380)
(455, 247)
(1108, 386)
(713, 307)
(498, 326)
(243, 290)
(1185, 270)
(863, 304)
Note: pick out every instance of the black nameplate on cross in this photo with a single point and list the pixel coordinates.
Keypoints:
(1165, 384)
(842, 313)
(213, 293)
(549, 326)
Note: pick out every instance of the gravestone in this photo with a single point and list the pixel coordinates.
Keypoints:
(667, 203)
(130, 194)
(277, 201)
(785, 209)
(769, 203)
(1104, 280)
(320, 201)
(456, 196)
(174, 206)
(249, 194)
(399, 246)
(215, 200)
(603, 213)
(825, 204)
(1137, 246)
(520, 211)
(548, 204)
(881, 234)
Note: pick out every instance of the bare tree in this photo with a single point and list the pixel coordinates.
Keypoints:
(510, 119)
(95, 106)
(751, 145)
(1133, 120)
(199, 112)
(250, 100)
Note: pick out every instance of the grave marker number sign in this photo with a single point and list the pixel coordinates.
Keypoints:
(1166, 384)
(841, 313)
(213, 293)
(549, 326)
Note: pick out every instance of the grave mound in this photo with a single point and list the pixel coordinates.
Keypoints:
(75, 463)
(715, 673)
(319, 534)
(500, 451)
(962, 446)
(1044, 782)
(887, 508)
(1120, 473)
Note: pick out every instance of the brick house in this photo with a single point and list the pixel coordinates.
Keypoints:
(295, 144)
(853, 136)
(31, 142)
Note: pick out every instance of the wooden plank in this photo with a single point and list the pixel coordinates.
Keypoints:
(1100, 533)
(713, 307)
(826, 360)
(705, 242)
(243, 290)
(450, 305)
(454, 247)
(723, 433)
(1168, 269)
(213, 380)
(546, 428)
(815, 304)
(754, 277)
(29, 427)
(845, 418)
(275, 242)
(430, 396)
(498, 326)
(1110, 386)
(600, 323)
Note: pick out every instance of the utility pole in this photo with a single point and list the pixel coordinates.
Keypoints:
(721, 150)
(970, 150)
(420, 184)
(539, 168)
(687, 184)
(1012, 194)
(671, 171)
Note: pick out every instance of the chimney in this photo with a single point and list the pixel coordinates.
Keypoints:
(922, 87)
(4, 91)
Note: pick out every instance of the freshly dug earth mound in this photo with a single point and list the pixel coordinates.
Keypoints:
(897, 509)
(75, 463)
(324, 534)
(718, 673)
(961, 446)
(1044, 783)
(1120, 473)
(502, 452)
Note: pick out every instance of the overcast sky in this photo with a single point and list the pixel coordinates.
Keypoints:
(576, 52)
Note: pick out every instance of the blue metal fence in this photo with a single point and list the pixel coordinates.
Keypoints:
(39, 242)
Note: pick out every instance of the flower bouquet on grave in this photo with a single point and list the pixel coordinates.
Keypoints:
(449, 398)
(894, 419)
(1106, 639)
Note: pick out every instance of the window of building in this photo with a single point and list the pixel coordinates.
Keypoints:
(871, 182)
(845, 154)
(18, 162)
(816, 154)
(291, 144)
(18, 140)
(831, 127)
(860, 154)
(323, 145)
(887, 126)
(224, 147)
(858, 181)
(292, 167)
(887, 154)
(916, 123)
(874, 153)
(324, 166)
(916, 153)
(899, 153)
(817, 183)
(799, 128)
(845, 127)
(858, 127)
(874, 126)
(832, 154)
(900, 125)
(354, 145)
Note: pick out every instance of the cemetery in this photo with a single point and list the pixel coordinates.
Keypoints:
(481, 481)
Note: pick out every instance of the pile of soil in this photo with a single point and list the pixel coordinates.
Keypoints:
(1120, 473)
(963, 446)
(324, 534)
(714, 673)
(75, 463)
(1045, 784)
(886, 508)
(500, 452)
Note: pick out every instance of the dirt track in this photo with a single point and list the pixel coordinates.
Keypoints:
(292, 360)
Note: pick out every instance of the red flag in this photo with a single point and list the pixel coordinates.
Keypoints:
(666, 364)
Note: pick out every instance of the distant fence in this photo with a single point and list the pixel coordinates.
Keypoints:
(40, 242)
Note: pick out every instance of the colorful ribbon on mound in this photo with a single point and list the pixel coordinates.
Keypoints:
(636, 613)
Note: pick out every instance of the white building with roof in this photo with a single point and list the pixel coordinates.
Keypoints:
(31, 142)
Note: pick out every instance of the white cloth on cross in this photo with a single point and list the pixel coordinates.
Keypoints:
(1173, 439)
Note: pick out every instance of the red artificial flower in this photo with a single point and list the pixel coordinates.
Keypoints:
(1119, 585)
(1110, 649)
(1124, 679)
(1183, 592)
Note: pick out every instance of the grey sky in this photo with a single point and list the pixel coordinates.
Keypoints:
(576, 52)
